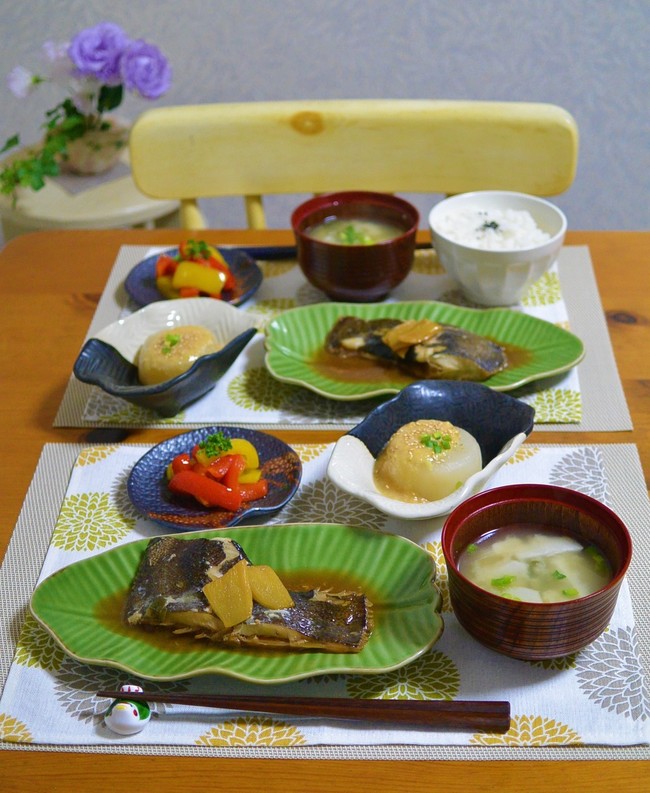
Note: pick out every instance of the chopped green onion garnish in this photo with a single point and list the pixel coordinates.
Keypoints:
(504, 581)
(597, 558)
(570, 593)
(437, 441)
(171, 340)
(351, 236)
(472, 547)
(558, 575)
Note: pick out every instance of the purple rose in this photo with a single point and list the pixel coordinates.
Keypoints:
(96, 52)
(145, 70)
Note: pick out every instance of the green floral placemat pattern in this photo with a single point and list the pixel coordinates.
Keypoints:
(596, 697)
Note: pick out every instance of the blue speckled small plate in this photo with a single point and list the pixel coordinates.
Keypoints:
(500, 423)
(147, 484)
(140, 283)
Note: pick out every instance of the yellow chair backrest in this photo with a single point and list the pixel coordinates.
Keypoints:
(414, 146)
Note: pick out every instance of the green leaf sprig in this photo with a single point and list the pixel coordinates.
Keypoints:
(64, 123)
(215, 444)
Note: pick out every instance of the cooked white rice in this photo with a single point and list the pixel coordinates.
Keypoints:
(494, 229)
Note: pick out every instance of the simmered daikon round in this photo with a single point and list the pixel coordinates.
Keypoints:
(426, 460)
(172, 351)
(534, 563)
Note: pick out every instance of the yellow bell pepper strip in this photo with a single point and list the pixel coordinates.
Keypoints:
(164, 286)
(205, 490)
(220, 264)
(245, 448)
(198, 276)
(250, 475)
(215, 278)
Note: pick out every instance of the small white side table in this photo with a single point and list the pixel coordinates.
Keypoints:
(86, 202)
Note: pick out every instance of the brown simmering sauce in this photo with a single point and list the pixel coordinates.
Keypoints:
(357, 369)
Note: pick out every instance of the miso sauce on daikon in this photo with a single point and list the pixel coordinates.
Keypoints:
(535, 564)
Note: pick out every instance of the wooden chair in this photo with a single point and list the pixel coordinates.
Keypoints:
(414, 146)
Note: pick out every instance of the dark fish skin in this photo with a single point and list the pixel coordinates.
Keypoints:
(171, 575)
(321, 620)
(452, 354)
(167, 592)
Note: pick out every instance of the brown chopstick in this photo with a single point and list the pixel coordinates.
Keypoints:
(473, 716)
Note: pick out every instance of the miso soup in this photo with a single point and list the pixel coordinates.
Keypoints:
(350, 231)
(535, 564)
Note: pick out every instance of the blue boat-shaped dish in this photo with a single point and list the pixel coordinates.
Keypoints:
(108, 360)
(500, 423)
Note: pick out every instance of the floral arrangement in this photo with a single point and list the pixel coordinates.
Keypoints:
(95, 67)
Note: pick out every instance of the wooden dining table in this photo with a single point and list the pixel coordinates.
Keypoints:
(50, 285)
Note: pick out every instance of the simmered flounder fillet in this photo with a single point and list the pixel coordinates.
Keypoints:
(422, 348)
(167, 591)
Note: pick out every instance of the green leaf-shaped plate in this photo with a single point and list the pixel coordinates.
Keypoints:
(79, 605)
(295, 338)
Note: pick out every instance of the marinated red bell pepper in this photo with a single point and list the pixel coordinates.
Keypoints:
(205, 490)
(236, 466)
(212, 461)
(189, 291)
(165, 265)
(217, 469)
(182, 462)
(254, 490)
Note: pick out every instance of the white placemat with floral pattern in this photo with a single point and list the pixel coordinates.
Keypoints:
(594, 697)
(248, 395)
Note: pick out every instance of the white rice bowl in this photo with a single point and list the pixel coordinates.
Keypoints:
(496, 243)
(492, 229)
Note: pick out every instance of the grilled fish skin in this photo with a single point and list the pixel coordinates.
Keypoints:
(171, 576)
(319, 620)
(424, 349)
(167, 592)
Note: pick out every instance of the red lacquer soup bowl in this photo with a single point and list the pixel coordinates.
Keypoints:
(345, 267)
(530, 630)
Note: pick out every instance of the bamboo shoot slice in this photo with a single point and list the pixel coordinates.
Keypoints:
(230, 595)
(267, 588)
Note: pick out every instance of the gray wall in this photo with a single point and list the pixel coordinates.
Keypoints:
(590, 56)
